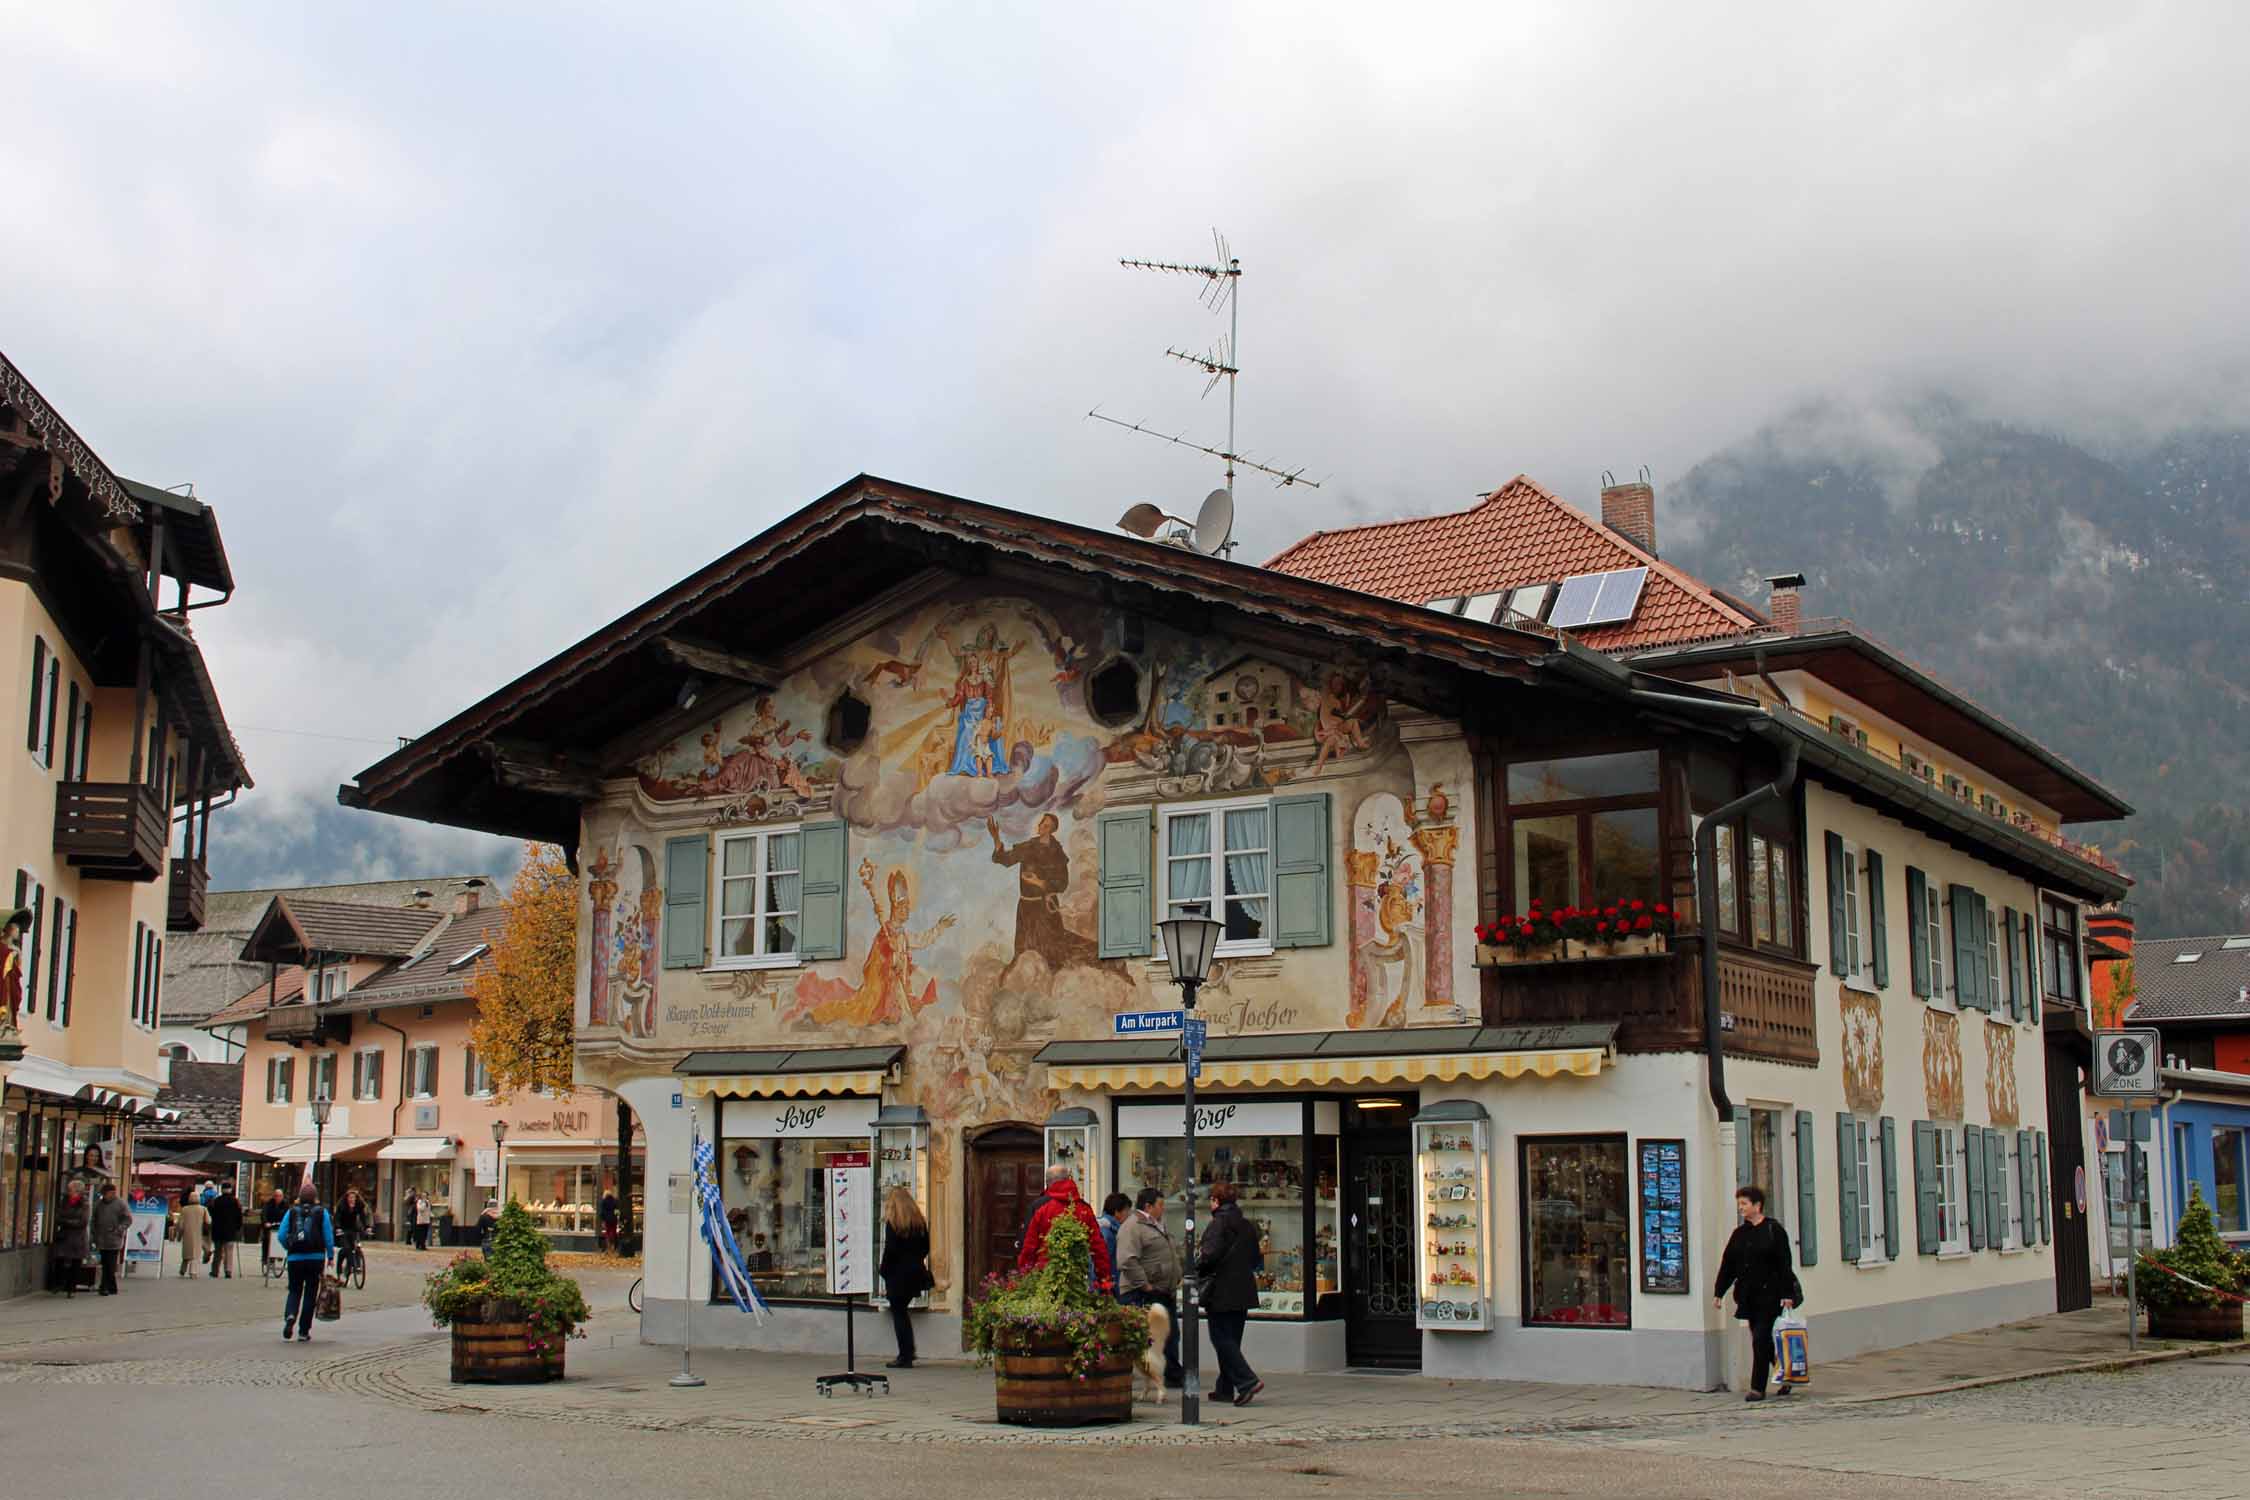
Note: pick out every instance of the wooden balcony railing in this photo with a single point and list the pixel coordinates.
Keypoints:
(191, 885)
(1766, 1003)
(110, 830)
(307, 1023)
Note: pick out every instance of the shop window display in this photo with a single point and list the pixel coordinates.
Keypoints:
(1577, 1232)
(1455, 1180)
(777, 1205)
(560, 1196)
(434, 1181)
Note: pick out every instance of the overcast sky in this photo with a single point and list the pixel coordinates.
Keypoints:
(479, 324)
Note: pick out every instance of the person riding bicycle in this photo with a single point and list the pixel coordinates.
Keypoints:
(354, 1222)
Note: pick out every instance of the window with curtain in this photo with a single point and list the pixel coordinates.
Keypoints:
(761, 885)
(1218, 860)
(2227, 1202)
(1583, 830)
(278, 1077)
(323, 1076)
(367, 1073)
(2059, 949)
(421, 1072)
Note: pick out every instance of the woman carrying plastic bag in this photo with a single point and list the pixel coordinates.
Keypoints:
(1759, 1266)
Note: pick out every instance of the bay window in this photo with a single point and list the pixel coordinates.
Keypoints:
(1218, 861)
(1584, 830)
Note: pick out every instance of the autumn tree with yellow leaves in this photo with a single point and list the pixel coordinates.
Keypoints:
(524, 991)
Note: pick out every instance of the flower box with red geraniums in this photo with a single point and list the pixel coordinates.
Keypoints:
(1623, 929)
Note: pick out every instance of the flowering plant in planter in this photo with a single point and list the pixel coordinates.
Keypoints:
(1536, 928)
(513, 1284)
(1055, 1304)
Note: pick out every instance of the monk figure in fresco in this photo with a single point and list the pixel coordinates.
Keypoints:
(885, 995)
(1042, 875)
(11, 973)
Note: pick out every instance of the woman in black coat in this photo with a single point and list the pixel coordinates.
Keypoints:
(905, 1267)
(1226, 1264)
(1758, 1265)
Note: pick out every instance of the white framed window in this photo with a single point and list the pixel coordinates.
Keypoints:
(1218, 860)
(327, 984)
(1952, 1193)
(46, 681)
(2008, 1233)
(321, 1076)
(1867, 1172)
(1855, 941)
(280, 1072)
(367, 1073)
(761, 895)
(421, 1071)
(476, 1077)
(1995, 970)
(1772, 1158)
(1933, 915)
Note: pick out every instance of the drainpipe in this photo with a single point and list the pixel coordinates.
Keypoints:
(403, 1039)
(1707, 917)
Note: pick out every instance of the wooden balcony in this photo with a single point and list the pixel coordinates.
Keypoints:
(191, 885)
(1656, 1002)
(110, 830)
(306, 1024)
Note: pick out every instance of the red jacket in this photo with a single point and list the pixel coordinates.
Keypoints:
(1062, 1198)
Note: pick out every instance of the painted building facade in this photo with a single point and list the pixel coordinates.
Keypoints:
(879, 867)
(120, 749)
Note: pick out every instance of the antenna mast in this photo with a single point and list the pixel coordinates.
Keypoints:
(1222, 291)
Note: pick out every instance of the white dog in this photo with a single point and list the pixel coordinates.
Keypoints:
(1150, 1385)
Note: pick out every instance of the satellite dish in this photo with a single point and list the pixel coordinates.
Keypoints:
(1214, 523)
(1141, 520)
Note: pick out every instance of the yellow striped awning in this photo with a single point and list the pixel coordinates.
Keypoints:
(1299, 1072)
(783, 1085)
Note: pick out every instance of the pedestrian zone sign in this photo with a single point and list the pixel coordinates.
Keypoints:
(2126, 1063)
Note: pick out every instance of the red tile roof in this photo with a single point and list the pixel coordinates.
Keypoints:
(1517, 536)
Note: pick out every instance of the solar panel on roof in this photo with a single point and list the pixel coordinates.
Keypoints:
(1598, 598)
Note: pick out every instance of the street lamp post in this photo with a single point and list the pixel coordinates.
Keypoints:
(1189, 942)
(321, 1105)
(499, 1136)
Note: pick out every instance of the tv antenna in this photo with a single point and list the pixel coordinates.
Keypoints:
(1221, 292)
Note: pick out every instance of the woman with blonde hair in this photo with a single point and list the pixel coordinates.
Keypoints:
(905, 1267)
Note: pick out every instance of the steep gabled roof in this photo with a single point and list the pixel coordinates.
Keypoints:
(293, 927)
(2168, 986)
(437, 972)
(1517, 536)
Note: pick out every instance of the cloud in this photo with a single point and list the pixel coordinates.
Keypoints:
(479, 326)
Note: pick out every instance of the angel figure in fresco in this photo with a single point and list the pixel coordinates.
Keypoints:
(885, 994)
(1341, 721)
(765, 745)
(981, 701)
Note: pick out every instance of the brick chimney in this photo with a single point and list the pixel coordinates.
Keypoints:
(1630, 511)
(466, 901)
(1785, 606)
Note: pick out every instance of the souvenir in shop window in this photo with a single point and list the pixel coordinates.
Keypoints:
(1455, 1174)
(1577, 1232)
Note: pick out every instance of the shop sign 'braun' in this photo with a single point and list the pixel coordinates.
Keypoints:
(2127, 1063)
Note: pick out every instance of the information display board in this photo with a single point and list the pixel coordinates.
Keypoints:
(851, 1223)
(1664, 1258)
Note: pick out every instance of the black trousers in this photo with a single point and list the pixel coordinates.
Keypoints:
(902, 1326)
(1174, 1371)
(1235, 1374)
(110, 1258)
(1761, 1348)
(304, 1295)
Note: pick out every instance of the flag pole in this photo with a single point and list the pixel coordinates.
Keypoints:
(687, 1379)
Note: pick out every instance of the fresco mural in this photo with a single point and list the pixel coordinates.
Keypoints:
(1863, 1050)
(1941, 1064)
(2000, 1075)
(972, 924)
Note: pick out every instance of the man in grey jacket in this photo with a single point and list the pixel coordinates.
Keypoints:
(1148, 1271)
(113, 1220)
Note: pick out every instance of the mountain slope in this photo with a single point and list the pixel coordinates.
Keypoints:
(2101, 602)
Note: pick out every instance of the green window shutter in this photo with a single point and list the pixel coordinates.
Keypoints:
(1878, 933)
(1960, 906)
(1743, 1124)
(1925, 1188)
(1918, 929)
(2015, 962)
(1125, 844)
(687, 867)
(826, 847)
(2027, 1188)
(1301, 887)
(2031, 967)
(1996, 1187)
(2046, 1229)
(1890, 1188)
(1847, 1189)
(1808, 1203)
(1836, 898)
(1972, 1151)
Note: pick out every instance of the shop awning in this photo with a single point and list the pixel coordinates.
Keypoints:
(785, 1072)
(1437, 1054)
(300, 1148)
(418, 1148)
(98, 1087)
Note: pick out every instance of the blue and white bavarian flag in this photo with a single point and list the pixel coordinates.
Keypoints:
(711, 1211)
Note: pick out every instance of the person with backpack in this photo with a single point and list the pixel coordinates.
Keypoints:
(308, 1238)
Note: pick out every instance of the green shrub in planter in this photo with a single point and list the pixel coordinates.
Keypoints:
(513, 1285)
(1056, 1303)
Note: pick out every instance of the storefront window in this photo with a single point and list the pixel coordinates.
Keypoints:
(12, 1127)
(1584, 830)
(1287, 1182)
(44, 1142)
(560, 1195)
(1577, 1233)
(773, 1179)
(434, 1181)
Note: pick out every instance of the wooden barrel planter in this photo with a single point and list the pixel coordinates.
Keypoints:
(497, 1351)
(1035, 1388)
(2177, 1322)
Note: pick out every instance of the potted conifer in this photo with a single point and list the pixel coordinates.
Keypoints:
(508, 1312)
(2180, 1308)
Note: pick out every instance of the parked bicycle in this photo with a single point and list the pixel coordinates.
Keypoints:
(633, 1295)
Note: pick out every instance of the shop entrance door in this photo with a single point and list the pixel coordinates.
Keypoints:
(1007, 1173)
(1379, 1250)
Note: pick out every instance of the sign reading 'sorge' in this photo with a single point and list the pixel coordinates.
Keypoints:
(796, 1119)
(1213, 1117)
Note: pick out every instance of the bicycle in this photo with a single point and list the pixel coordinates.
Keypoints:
(271, 1267)
(633, 1295)
(351, 1266)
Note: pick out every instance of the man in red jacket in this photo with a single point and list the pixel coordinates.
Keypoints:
(1062, 1198)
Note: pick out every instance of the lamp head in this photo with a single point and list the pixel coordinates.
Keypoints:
(499, 1131)
(321, 1106)
(1189, 943)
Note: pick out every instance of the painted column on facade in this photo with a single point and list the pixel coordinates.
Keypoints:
(1438, 844)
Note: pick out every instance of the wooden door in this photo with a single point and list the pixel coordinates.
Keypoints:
(2066, 1163)
(1007, 1173)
